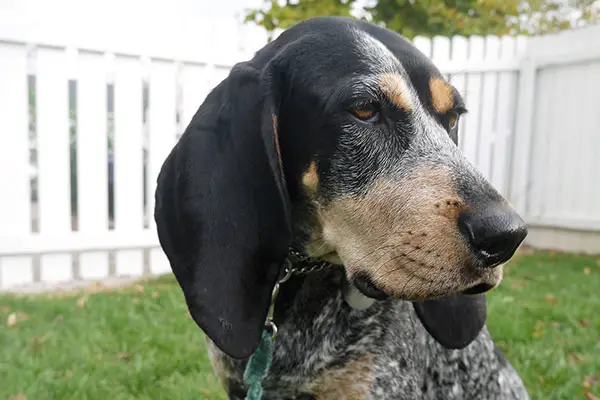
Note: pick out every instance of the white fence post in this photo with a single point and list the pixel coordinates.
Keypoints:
(471, 133)
(423, 44)
(460, 47)
(53, 158)
(522, 138)
(195, 84)
(163, 130)
(128, 161)
(15, 212)
(504, 126)
(92, 171)
(489, 91)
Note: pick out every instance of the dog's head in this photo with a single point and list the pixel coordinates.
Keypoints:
(338, 137)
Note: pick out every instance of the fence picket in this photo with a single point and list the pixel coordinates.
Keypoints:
(473, 100)
(488, 109)
(441, 50)
(460, 47)
(504, 126)
(128, 158)
(423, 44)
(15, 213)
(195, 83)
(92, 159)
(163, 130)
(53, 158)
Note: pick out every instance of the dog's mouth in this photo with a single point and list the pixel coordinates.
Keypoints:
(367, 287)
(478, 289)
(370, 289)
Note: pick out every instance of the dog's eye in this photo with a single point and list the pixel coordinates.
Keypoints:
(452, 121)
(365, 112)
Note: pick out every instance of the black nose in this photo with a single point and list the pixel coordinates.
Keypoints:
(494, 234)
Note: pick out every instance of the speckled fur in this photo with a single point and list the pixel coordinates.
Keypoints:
(322, 336)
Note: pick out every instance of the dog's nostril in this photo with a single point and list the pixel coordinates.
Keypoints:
(493, 234)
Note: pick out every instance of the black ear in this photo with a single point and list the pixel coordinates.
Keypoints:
(222, 211)
(454, 321)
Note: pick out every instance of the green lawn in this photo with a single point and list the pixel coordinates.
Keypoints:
(139, 342)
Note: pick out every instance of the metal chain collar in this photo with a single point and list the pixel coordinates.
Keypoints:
(294, 257)
(313, 266)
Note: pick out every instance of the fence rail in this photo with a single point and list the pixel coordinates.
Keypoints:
(84, 131)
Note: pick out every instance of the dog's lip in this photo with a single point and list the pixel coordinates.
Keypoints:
(479, 288)
(369, 288)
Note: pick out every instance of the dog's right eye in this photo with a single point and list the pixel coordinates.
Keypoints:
(366, 112)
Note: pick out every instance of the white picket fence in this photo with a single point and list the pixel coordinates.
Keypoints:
(84, 131)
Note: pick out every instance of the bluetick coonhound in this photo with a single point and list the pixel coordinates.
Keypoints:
(338, 140)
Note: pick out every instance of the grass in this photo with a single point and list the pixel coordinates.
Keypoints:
(140, 343)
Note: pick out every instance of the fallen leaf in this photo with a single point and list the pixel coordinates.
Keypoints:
(15, 317)
(18, 396)
(551, 299)
(590, 396)
(587, 270)
(124, 356)
(584, 323)
(517, 284)
(589, 381)
(37, 341)
(81, 301)
(574, 358)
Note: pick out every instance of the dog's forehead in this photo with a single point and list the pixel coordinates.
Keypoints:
(386, 52)
(374, 54)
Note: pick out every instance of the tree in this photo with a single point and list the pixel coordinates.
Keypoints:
(439, 17)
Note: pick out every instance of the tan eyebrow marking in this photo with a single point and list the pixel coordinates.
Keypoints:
(395, 88)
(310, 178)
(442, 97)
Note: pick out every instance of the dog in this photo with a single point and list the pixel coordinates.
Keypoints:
(335, 148)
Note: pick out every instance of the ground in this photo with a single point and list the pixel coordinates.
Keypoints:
(139, 342)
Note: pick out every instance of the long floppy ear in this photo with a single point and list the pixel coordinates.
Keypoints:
(454, 321)
(222, 211)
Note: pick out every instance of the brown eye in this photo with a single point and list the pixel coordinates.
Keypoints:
(365, 112)
(453, 121)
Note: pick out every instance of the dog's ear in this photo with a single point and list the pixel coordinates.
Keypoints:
(222, 211)
(454, 321)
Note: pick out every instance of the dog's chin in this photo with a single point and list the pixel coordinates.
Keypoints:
(371, 289)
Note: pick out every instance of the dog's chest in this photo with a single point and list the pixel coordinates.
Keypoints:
(329, 351)
(326, 350)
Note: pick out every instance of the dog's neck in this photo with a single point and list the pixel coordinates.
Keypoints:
(302, 265)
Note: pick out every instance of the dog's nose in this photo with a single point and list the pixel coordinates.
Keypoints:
(494, 233)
